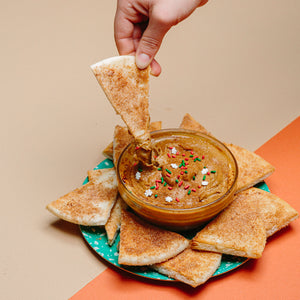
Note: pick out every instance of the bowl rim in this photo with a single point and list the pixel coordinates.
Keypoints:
(181, 210)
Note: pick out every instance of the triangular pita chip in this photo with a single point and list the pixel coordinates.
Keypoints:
(114, 221)
(144, 244)
(155, 126)
(275, 212)
(237, 230)
(127, 88)
(89, 204)
(108, 151)
(94, 174)
(252, 168)
(122, 138)
(188, 122)
(191, 266)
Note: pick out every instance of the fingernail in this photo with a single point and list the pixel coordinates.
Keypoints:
(142, 61)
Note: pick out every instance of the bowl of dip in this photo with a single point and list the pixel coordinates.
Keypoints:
(191, 179)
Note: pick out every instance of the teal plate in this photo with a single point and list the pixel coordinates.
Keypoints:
(95, 236)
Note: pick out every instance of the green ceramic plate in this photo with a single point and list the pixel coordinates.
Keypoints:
(96, 238)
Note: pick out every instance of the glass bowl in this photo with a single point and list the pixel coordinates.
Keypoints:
(166, 196)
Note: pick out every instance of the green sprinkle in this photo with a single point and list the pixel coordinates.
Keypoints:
(191, 155)
(194, 177)
(183, 163)
(165, 184)
(159, 169)
(213, 171)
(152, 187)
(155, 195)
(189, 192)
(176, 180)
(204, 177)
(168, 171)
(162, 180)
(140, 170)
(185, 172)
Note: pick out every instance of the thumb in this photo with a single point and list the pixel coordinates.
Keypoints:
(150, 43)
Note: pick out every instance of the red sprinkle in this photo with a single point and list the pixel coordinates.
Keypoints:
(192, 152)
(199, 186)
(194, 190)
(183, 154)
(195, 157)
(186, 163)
(180, 183)
(135, 164)
(178, 176)
(171, 148)
(158, 181)
(203, 156)
(177, 199)
(173, 156)
(207, 173)
(170, 188)
(177, 153)
(169, 155)
(186, 187)
(186, 159)
(167, 174)
(181, 172)
(157, 187)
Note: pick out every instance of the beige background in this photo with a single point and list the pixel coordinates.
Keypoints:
(234, 65)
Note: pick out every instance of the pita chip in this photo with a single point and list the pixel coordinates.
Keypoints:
(127, 88)
(89, 204)
(275, 212)
(190, 266)
(108, 151)
(94, 174)
(122, 138)
(252, 168)
(188, 122)
(142, 243)
(238, 230)
(114, 221)
(155, 125)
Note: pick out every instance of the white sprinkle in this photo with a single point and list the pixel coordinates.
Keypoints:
(204, 182)
(169, 199)
(137, 175)
(174, 166)
(174, 151)
(204, 171)
(148, 193)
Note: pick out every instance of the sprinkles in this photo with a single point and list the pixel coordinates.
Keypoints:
(184, 168)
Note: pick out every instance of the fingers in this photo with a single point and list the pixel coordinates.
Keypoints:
(150, 43)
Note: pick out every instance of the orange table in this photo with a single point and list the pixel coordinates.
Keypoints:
(274, 276)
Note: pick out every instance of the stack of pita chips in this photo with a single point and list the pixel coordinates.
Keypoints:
(241, 229)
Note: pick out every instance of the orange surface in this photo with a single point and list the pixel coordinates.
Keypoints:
(274, 276)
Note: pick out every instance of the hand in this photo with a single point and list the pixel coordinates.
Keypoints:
(140, 26)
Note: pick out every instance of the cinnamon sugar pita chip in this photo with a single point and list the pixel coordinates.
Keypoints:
(127, 88)
(238, 230)
(144, 244)
(252, 168)
(89, 204)
(190, 266)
